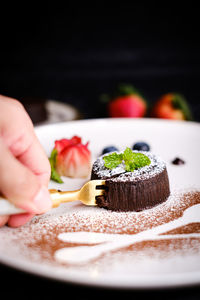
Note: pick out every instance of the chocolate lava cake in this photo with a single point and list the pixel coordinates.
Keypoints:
(141, 189)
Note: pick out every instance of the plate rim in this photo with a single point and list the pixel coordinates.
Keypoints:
(135, 283)
(109, 120)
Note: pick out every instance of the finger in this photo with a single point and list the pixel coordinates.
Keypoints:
(20, 186)
(18, 134)
(19, 220)
(3, 220)
(36, 160)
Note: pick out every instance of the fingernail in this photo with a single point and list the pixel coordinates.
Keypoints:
(42, 200)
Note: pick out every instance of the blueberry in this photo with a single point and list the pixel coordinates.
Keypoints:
(141, 146)
(109, 149)
(178, 161)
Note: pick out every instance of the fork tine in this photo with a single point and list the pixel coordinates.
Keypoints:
(98, 182)
(99, 192)
(90, 190)
(100, 188)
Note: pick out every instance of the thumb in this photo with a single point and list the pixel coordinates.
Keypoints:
(20, 186)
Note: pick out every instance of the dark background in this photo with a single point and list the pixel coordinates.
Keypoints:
(75, 54)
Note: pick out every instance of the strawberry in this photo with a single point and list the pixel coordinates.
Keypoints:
(63, 143)
(71, 159)
(127, 102)
(172, 106)
(130, 106)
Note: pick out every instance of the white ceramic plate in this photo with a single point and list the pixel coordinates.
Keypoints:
(168, 139)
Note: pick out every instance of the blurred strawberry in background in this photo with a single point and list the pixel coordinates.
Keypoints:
(126, 102)
(131, 106)
(172, 106)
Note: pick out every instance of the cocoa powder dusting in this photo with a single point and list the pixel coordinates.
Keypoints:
(39, 240)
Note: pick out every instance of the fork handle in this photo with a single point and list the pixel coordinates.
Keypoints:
(57, 197)
(7, 208)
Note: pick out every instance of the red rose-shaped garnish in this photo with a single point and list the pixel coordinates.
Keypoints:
(60, 145)
(73, 159)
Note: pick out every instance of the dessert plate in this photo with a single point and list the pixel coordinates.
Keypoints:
(156, 248)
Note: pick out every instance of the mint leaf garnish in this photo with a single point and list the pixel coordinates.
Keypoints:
(130, 167)
(131, 160)
(128, 155)
(140, 160)
(54, 174)
(112, 160)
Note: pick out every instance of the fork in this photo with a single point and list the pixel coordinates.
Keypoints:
(86, 194)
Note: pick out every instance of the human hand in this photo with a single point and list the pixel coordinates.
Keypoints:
(24, 166)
